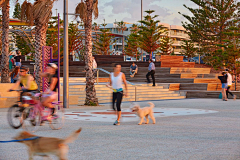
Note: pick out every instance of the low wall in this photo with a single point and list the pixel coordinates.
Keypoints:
(7, 99)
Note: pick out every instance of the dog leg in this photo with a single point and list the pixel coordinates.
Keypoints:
(47, 157)
(141, 121)
(152, 117)
(63, 152)
(147, 119)
(30, 154)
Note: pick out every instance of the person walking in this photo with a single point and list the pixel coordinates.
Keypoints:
(15, 74)
(151, 71)
(18, 59)
(117, 78)
(11, 61)
(223, 79)
(229, 84)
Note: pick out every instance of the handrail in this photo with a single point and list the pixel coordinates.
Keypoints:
(105, 71)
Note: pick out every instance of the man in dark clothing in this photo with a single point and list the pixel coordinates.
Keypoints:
(18, 59)
(151, 71)
(223, 80)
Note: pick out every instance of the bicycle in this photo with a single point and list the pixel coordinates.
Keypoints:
(30, 113)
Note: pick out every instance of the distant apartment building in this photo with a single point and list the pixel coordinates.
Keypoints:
(117, 45)
(176, 33)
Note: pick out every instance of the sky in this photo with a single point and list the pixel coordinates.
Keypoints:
(130, 10)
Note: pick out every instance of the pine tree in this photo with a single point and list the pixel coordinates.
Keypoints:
(17, 11)
(208, 23)
(132, 48)
(103, 42)
(121, 27)
(166, 45)
(188, 48)
(150, 33)
(230, 50)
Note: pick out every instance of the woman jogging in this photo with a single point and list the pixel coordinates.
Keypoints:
(117, 78)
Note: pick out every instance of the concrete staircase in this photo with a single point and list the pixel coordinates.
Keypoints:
(142, 92)
(139, 92)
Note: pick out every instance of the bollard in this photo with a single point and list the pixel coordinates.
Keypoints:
(97, 75)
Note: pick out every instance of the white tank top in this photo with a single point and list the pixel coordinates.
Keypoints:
(117, 82)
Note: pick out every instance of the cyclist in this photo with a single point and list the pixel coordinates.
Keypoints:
(50, 94)
(26, 81)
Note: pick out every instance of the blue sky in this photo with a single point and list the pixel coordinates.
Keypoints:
(130, 10)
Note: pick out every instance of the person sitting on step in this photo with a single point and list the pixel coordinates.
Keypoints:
(133, 70)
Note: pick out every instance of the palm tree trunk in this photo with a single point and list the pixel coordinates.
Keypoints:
(40, 41)
(91, 98)
(5, 43)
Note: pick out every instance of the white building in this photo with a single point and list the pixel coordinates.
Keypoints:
(176, 33)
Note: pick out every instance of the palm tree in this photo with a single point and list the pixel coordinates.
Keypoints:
(5, 41)
(38, 14)
(85, 11)
(122, 27)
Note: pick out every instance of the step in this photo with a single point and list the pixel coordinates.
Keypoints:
(161, 98)
(157, 95)
(193, 86)
(208, 94)
(109, 94)
(193, 75)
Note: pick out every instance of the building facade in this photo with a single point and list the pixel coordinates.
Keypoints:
(176, 33)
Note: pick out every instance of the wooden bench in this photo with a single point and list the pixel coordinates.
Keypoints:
(177, 64)
(166, 58)
(214, 87)
(206, 80)
(174, 61)
(176, 70)
(174, 87)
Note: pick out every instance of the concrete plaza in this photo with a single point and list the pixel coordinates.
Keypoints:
(211, 131)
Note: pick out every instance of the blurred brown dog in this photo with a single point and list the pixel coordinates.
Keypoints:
(44, 146)
(144, 112)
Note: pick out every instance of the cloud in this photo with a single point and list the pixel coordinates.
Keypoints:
(133, 9)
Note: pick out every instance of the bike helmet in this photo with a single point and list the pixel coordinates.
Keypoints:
(53, 65)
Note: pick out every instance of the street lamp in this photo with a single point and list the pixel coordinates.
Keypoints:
(141, 25)
(65, 57)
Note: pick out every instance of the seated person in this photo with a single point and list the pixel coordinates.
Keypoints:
(133, 69)
(26, 81)
(50, 94)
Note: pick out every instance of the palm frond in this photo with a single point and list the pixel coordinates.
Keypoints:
(2, 1)
(26, 12)
(95, 9)
(42, 11)
(81, 10)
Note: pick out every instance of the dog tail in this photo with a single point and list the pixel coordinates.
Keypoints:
(72, 137)
(151, 104)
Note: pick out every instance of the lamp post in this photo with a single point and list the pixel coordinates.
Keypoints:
(65, 57)
(141, 25)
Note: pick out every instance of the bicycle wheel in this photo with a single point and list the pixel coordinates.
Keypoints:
(14, 116)
(57, 121)
(32, 117)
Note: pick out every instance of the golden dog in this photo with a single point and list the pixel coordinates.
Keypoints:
(144, 112)
(44, 146)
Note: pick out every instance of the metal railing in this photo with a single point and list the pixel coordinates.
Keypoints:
(107, 72)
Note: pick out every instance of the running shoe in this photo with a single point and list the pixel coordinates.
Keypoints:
(116, 123)
(234, 97)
